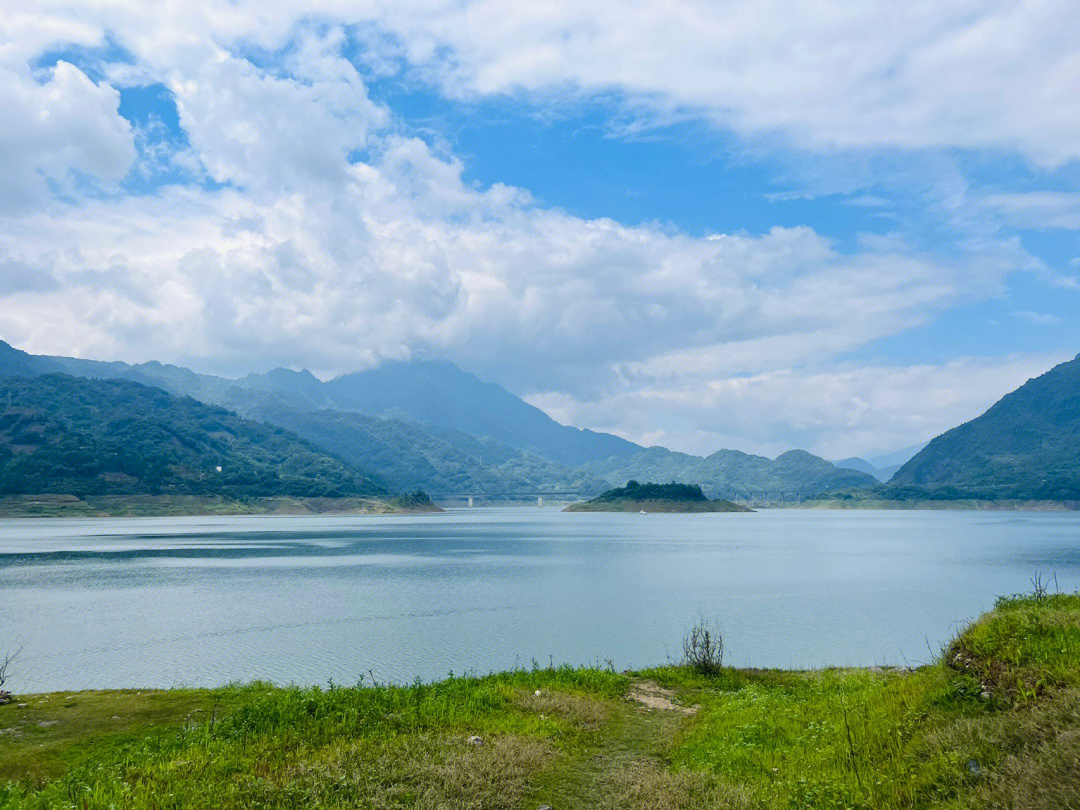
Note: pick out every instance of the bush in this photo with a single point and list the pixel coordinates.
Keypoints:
(703, 648)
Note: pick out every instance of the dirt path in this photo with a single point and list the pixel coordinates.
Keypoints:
(653, 696)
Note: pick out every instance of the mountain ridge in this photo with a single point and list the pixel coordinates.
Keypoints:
(1026, 446)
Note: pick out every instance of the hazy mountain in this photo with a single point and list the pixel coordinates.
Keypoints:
(897, 458)
(882, 467)
(406, 457)
(401, 454)
(1027, 446)
(430, 424)
(441, 394)
(69, 435)
(860, 464)
(728, 472)
(425, 391)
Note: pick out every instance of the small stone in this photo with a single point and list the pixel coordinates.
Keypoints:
(474, 740)
(21, 705)
(116, 717)
(973, 766)
(536, 693)
(985, 694)
(544, 807)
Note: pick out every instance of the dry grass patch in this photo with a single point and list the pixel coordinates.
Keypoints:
(423, 772)
(646, 785)
(583, 712)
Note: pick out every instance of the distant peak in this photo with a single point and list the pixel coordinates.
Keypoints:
(281, 371)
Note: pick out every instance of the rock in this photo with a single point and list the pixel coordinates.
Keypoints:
(5, 697)
(544, 807)
(536, 693)
(21, 705)
(474, 740)
(973, 766)
(876, 670)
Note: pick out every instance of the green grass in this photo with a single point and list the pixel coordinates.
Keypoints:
(994, 723)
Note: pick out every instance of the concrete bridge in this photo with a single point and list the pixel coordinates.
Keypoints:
(471, 499)
(766, 497)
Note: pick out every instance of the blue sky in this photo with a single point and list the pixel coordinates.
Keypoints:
(699, 227)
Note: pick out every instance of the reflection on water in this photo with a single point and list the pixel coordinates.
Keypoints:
(159, 602)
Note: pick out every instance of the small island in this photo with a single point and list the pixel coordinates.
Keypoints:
(635, 497)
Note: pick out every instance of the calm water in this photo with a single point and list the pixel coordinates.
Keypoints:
(159, 602)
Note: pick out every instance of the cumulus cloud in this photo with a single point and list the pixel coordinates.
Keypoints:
(860, 75)
(329, 239)
(53, 124)
(833, 411)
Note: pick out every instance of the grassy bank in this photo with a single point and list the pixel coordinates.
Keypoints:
(994, 723)
(14, 506)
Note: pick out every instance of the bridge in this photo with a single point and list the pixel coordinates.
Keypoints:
(768, 497)
(472, 498)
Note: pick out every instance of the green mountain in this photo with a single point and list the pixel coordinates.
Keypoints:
(1027, 447)
(402, 454)
(406, 457)
(439, 393)
(728, 473)
(67, 435)
(428, 424)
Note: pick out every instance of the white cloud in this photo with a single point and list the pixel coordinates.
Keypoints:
(53, 124)
(1037, 209)
(337, 241)
(999, 75)
(835, 412)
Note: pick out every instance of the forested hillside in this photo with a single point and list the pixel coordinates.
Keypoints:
(1027, 447)
(62, 434)
(729, 472)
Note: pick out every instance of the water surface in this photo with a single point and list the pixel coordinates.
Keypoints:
(202, 601)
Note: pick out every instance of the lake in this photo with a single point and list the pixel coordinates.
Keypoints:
(201, 601)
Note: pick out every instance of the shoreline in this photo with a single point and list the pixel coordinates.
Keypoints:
(122, 506)
(116, 507)
(993, 717)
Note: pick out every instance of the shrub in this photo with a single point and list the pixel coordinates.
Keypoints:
(703, 648)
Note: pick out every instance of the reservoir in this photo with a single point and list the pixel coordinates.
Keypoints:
(157, 602)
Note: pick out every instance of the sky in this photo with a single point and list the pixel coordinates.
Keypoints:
(755, 225)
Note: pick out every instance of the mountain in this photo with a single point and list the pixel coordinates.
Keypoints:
(1026, 446)
(406, 457)
(881, 467)
(727, 473)
(429, 424)
(440, 394)
(429, 392)
(67, 435)
(860, 464)
(402, 454)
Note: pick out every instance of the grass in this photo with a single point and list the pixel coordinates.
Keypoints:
(994, 723)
